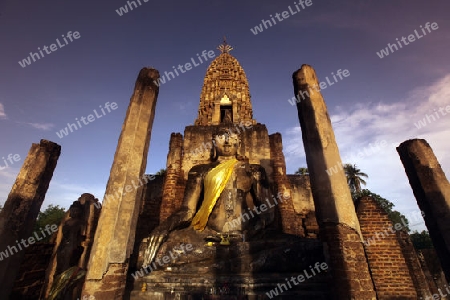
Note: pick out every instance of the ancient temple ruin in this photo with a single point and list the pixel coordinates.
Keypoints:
(226, 222)
(316, 233)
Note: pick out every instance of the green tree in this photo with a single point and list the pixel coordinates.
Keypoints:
(421, 240)
(52, 215)
(302, 171)
(161, 172)
(354, 177)
(394, 216)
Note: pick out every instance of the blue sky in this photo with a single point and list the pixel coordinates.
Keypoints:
(381, 100)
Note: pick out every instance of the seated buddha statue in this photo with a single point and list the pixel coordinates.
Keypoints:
(221, 201)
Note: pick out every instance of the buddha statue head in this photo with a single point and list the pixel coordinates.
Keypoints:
(226, 143)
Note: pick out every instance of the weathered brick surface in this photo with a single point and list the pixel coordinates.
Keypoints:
(112, 285)
(31, 275)
(430, 263)
(387, 264)
(429, 278)
(171, 199)
(417, 271)
(290, 221)
(351, 277)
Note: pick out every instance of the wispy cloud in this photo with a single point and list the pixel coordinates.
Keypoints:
(8, 173)
(42, 126)
(363, 123)
(2, 112)
(7, 178)
(293, 144)
(358, 126)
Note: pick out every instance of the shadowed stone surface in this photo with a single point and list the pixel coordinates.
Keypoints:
(114, 238)
(432, 191)
(18, 217)
(31, 278)
(334, 206)
(236, 271)
(74, 242)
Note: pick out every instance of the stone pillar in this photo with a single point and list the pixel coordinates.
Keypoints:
(114, 238)
(432, 191)
(18, 217)
(335, 211)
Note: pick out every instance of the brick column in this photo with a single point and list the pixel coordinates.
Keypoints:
(339, 226)
(387, 264)
(432, 191)
(114, 238)
(417, 271)
(171, 200)
(291, 224)
(18, 217)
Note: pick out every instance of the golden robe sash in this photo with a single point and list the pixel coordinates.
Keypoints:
(215, 182)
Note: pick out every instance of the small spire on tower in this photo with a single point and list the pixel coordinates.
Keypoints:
(225, 48)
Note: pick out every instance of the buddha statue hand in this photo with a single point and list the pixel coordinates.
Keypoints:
(157, 237)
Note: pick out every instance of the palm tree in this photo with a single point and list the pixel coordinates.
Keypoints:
(302, 171)
(161, 172)
(354, 177)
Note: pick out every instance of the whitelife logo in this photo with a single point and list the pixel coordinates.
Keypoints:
(321, 86)
(281, 17)
(53, 47)
(411, 38)
(433, 117)
(165, 260)
(31, 240)
(187, 67)
(11, 158)
(90, 118)
(300, 278)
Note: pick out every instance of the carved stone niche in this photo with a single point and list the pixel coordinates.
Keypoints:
(73, 242)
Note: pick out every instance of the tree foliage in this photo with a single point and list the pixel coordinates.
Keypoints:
(354, 181)
(52, 215)
(394, 216)
(161, 172)
(302, 171)
(354, 177)
(421, 240)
